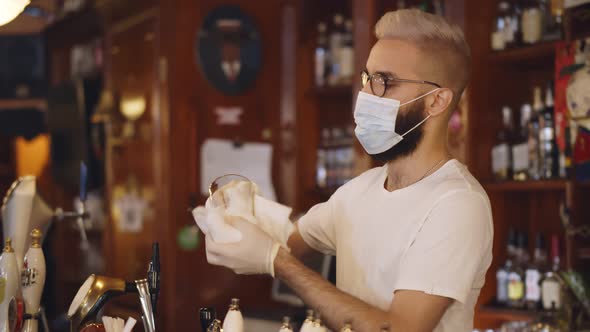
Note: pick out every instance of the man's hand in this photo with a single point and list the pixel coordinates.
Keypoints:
(253, 254)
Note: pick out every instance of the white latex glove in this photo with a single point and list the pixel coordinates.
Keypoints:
(212, 224)
(253, 254)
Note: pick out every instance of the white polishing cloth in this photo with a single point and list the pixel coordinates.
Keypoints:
(273, 218)
(211, 222)
(240, 199)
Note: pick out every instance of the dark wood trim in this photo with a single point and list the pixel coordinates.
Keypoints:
(288, 117)
(164, 176)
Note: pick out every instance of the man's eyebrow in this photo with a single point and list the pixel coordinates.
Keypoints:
(387, 73)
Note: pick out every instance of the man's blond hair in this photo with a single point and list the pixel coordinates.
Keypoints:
(439, 39)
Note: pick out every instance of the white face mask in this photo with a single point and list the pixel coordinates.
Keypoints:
(375, 121)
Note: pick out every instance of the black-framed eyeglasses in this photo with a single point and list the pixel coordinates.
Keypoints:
(379, 82)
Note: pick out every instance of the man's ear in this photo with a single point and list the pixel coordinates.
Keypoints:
(438, 102)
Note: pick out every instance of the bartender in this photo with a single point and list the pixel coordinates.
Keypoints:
(413, 238)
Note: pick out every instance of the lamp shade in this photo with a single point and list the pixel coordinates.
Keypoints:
(10, 9)
(133, 107)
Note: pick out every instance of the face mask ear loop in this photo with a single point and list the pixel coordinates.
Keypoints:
(416, 126)
(419, 97)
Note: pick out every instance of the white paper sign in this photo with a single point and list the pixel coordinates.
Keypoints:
(252, 160)
(228, 116)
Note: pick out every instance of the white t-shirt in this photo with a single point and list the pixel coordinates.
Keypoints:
(433, 236)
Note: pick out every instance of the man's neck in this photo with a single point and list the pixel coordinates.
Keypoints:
(410, 169)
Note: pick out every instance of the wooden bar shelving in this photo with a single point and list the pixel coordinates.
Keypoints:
(526, 186)
(538, 54)
(507, 314)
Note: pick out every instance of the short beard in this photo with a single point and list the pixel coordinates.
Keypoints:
(404, 122)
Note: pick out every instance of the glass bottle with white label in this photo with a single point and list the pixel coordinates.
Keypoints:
(322, 160)
(321, 55)
(502, 273)
(547, 143)
(335, 43)
(516, 289)
(502, 152)
(534, 273)
(551, 286)
(498, 38)
(532, 22)
(520, 148)
(511, 13)
(347, 54)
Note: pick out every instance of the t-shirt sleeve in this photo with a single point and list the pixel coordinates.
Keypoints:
(452, 250)
(317, 227)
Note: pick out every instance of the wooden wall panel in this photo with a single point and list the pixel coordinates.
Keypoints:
(133, 75)
(131, 67)
(192, 103)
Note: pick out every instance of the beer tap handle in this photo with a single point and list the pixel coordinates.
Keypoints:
(83, 181)
(206, 317)
(82, 210)
(154, 276)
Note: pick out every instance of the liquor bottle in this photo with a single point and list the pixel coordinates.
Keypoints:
(336, 40)
(553, 20)
(547, 143)
(550, 286)
(33, 281)
(286, 326)
(307, 325)
(500, 29)
(321, 56)
(347, 55)
(322, 161)
(534, 130)
(532, 22)
(510, 23)
(534, 273)
(520, 149)
(516, 14)
(516, 274)
(234, 321)
(502, 273)
(501, 152)
(562, 173)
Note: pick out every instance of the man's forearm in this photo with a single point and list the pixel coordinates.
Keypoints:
(335, 306)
